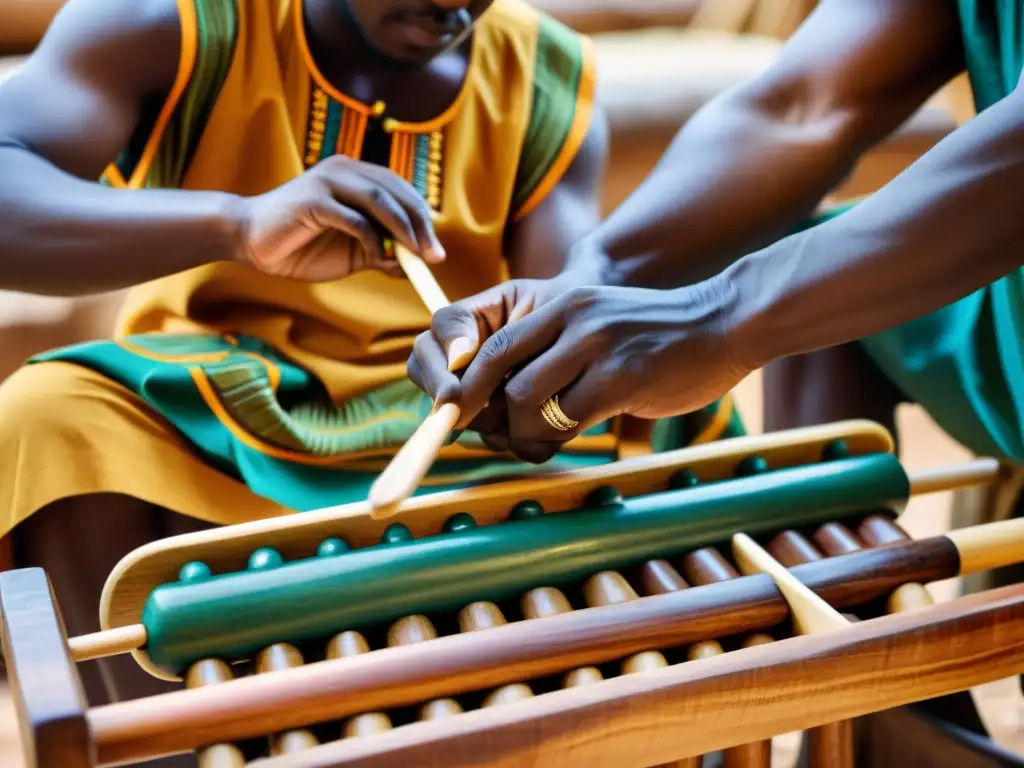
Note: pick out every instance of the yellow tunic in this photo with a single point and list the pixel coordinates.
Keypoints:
(356, 334)
(167, 417)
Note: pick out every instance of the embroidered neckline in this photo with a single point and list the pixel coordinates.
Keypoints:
(377, 110)
(333, 128)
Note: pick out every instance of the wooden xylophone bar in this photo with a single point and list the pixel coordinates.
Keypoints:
(872, 666)
(711, 704)
(402, 676)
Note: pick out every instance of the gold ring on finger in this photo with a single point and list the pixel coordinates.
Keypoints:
(555, 416)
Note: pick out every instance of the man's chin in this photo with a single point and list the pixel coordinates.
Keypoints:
(403, 57)
(402, 54)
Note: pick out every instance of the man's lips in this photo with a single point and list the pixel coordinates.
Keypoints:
(433, 30)
(427, 34)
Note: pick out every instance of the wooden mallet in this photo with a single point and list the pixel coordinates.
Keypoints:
(409, 466)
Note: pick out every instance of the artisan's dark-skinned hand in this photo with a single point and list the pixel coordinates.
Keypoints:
(604, 351)
(331, 222)
(456, 335)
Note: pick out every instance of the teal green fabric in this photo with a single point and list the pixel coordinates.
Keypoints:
(296, 417)
(670, 434)
(965, 363)
(297, 431)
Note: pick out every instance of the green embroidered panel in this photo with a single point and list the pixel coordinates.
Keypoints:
(216, 36)
(556, 82)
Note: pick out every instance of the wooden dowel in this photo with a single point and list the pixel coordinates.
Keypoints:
(406, 470)
(112, 642)
(811, 614)
(396, 677)
(410, 465)
(988, 546)
(422, 279)
(952, 478)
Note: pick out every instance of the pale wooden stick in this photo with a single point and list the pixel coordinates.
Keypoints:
(410, 465)
(811, 614)
(422, 279)
(988, 546)
(110, 643)
(965, 475)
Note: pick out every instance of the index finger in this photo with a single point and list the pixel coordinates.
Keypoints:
(510, 347)
(463, 326)
(429, 247)
(428, 370)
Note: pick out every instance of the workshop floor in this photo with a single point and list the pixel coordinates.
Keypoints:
(924, 446)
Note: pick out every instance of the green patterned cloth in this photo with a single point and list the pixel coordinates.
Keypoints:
(265, 421)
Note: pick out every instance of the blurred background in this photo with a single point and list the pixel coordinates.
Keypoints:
(659, 61)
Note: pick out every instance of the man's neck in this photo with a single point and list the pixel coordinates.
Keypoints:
(413, 93)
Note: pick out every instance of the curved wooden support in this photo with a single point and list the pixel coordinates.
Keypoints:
(755, 693)
(47, 690)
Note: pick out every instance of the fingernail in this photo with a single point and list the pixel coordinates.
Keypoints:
(437, 252)
(460, 353)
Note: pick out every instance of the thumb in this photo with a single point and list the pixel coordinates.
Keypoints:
(462, 327)
(456, 329)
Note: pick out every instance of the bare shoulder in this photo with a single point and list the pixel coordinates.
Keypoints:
(133, 43)
(78, 97)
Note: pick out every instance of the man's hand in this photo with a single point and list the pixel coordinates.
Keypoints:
(457, 332)
(604, 351)
(331, 222)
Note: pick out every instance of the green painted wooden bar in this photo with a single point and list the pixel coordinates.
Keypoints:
(232, 616)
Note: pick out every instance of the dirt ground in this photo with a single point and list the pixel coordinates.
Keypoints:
(924, 446)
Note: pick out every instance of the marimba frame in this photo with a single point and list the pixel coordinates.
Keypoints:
(634, 720)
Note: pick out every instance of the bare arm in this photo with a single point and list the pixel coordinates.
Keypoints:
(753, 163)
(66, 116)
(63, 119)
(945, 228)
(538, 245)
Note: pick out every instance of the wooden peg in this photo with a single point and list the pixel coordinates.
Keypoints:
(419, 629)
(277, 657)
(611, 588)
(111, 642)
(548, 601)
(479, 616)
(965, 475)
(346, 645)
(811, 614)
(214, 672)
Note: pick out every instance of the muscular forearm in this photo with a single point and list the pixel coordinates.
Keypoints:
(64, 236)
(948, 226)
(734, 179)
